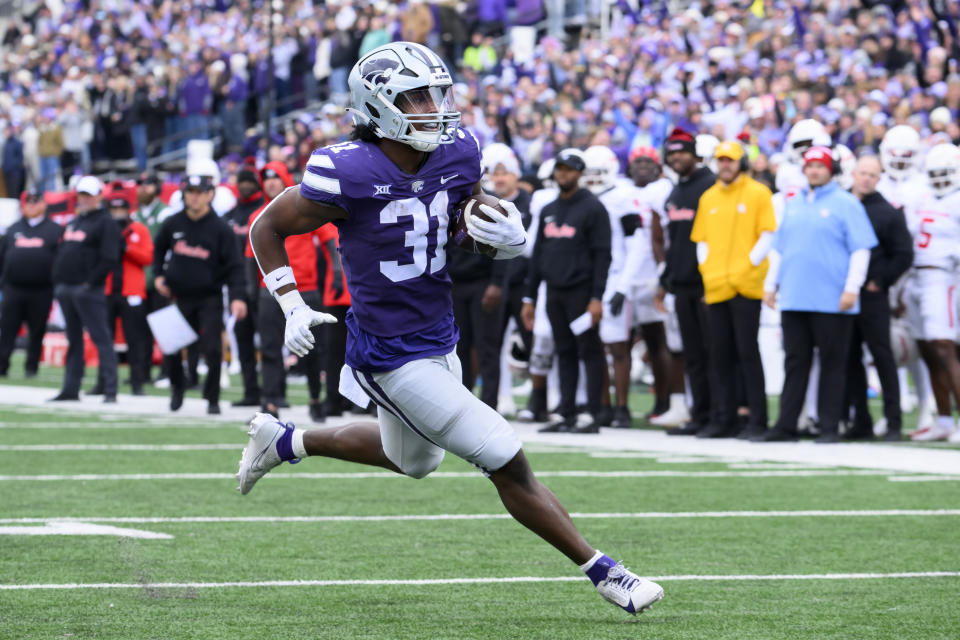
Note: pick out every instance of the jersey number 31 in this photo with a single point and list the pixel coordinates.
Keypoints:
(417, 236)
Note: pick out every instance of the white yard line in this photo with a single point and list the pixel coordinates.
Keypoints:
(119, 447)
(807, 513)
(446, 581)
(447, 475)
(893, 458)
(77, 528)
(182, 424)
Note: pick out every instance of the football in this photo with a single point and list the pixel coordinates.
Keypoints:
(470, 206)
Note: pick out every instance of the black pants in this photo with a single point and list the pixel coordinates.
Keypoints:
(478, 330)
(155, 301)
(692, 318)
(24, 305)
(336, 355)
(564, 306)
(86, 308)
(272, 324)
(872, 326)
(244, 331)
(205, 315)
(135, 330)
(734, 326)
(830, 333)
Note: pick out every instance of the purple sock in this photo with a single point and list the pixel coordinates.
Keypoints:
(285, 444)
(598, 571)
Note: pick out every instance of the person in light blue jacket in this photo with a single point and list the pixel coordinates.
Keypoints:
(818, 262)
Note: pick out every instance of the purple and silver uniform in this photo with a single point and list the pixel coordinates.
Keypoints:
(393, 245)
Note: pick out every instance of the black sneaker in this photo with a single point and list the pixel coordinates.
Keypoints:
(717, 431)
(63, 396)
(750, 432)
(246, 401)
(892, 436)
(828, 437)
(213, 409)
(560, 426)
(592, 427)
(689, 429)
(621, 418)
(861, 435)
(776, 435)
(317, 414)
(604, 417)
(138, 390)
(109, 398)
(176, 398)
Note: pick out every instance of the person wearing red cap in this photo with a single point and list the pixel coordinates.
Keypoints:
(818, 263)
(681, 274)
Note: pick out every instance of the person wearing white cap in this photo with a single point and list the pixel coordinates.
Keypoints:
(91, 249)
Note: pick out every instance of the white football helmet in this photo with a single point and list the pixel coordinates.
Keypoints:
(804, 135)
(846, 162)
(404, 92)
(706, 144)
(602, 169)
(942, 166)
(900, 151)
(545, 173)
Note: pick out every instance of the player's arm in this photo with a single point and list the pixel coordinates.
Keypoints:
(289, 214)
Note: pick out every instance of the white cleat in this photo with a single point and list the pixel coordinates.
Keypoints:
(954, 437)
(629, 591)
(675, 416)
(931, 433)
(260, 455)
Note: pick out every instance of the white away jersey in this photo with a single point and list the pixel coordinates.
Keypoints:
(935, 225)
(903, 194)
(621, 202)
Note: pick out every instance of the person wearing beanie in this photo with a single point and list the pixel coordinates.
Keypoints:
(681, 275)
(818, 263)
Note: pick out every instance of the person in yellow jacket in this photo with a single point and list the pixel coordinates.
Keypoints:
(733, 229)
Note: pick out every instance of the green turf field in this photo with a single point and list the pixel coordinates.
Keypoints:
(325, 550)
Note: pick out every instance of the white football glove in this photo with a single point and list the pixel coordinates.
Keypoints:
(503, 232)
(297, 336)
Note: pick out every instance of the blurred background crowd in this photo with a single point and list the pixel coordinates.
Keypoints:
(116, 87)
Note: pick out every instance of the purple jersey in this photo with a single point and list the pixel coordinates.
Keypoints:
(393, 245)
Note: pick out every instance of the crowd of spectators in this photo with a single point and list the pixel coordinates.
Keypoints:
(102, 82)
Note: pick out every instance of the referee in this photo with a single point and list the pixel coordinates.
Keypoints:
(26, 264)
(203, 257)
(572, 254)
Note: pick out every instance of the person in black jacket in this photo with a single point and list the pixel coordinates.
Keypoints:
(889, 260)
(26, 267)
(572, 254)
(250, 199)
(203, 257)
(91, 248)
(681, 275)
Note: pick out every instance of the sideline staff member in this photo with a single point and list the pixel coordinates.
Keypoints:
(572, 255)
(26, 264)
(203, 257)
(91, 248)
(819, 261)
(733, 230)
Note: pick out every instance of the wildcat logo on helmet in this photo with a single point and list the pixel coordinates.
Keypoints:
(379, 71)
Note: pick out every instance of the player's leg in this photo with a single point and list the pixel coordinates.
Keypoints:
(426, 395)
(798, 354)
(935, 297)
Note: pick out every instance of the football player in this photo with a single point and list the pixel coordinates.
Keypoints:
(390, 191)
(622, 204)
(932, 300)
